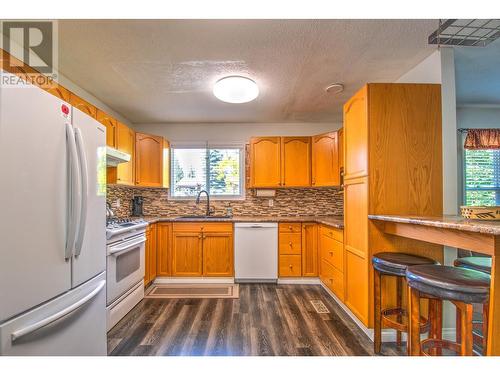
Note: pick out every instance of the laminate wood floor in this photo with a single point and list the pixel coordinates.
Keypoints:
(267, 319)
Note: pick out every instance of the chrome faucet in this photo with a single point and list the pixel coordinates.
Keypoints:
(208, 210)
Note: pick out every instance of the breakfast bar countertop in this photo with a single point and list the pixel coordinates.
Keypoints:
(333, 221)
(447, 222)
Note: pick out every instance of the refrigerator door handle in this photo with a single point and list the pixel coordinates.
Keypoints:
(74, 192)
(82, 157)
(59, 315)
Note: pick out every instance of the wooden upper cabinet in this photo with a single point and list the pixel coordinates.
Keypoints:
(60, 92)
(148, 160)
(296, 161)
(125, 141)
(110, 124)
(82, 105)
(265, 161)
(325, 160)
(356, 135)
(218, 254)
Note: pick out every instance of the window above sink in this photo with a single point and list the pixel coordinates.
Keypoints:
(217, 169)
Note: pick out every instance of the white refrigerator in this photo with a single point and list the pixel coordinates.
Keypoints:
(52, 226)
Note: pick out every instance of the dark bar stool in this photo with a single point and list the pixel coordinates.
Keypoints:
(462, 287)
(482, 264)
(393, 264)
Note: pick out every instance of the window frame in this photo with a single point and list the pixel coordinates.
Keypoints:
(208, 146)
(464, 176)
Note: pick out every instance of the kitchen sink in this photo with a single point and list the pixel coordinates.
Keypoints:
(204, 217)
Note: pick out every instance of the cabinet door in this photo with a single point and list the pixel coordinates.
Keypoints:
(125, 141)
(83, 105)
(325, 160)
(110, 124)
(265, 162)
(296, 161)
(148, 160)
(309, 249)
(218, 254)
(187, 254)
(163, 249)
(147, 257)
(152, 253)
(356, 135)
(356, 246)
(60, 92)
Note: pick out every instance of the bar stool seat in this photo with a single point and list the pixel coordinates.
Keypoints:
(393, 264)
(396, 263)
(482, 264)
(445, 282)
(462, 286)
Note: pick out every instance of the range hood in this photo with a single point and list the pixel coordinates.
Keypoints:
(115, 157)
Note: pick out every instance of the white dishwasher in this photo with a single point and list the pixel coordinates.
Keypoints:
(256, 252)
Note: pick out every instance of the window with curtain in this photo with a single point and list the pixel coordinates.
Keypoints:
(482, 167)
(218, 170)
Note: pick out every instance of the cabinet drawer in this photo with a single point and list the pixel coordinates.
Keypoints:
(332, 278)
(290, 243)
(202, 227)
(290, 227)
(335, 233)
(290, 265)
(332, 251)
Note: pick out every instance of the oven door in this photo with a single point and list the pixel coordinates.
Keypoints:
(125, 266)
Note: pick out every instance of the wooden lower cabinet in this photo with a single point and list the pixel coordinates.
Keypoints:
(187, 254)
(356, 291)
(218, 254)
(290, 265)
(150, 254)
(332, 260)
(298, 250)
(163, 249)
(202, 249)
(310, 250)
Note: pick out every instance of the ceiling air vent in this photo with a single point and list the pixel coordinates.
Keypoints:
(472, 33)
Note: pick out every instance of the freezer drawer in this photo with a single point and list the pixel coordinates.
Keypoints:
(72, 324)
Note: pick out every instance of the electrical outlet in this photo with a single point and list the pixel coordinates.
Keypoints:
(271, 202)
(118, 203)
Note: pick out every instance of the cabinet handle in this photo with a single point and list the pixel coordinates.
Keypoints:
(290, 227)
(290, 244)
(203, 237)
(290, 266)
(331, 253)
(199, 236)
(331, 281)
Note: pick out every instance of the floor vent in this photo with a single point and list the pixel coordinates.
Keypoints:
(319, 306)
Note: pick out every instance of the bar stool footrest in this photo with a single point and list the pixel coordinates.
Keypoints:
(390, 320)
(427, 346)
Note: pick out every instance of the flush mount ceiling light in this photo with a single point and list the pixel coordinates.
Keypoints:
(334, 88)
(235, 89)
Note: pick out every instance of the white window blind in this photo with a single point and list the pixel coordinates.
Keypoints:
(482, 177)
(215, 169)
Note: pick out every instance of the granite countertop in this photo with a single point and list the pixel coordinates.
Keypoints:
(333, 221)
(449, 222)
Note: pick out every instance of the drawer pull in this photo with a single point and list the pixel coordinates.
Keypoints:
(290, 243)
(290, 266)
(290, 227)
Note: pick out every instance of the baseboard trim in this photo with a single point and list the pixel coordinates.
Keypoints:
(299, 280)
(388, 335)
(193, 280)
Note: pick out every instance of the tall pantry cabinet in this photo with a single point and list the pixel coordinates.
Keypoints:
(392, 165)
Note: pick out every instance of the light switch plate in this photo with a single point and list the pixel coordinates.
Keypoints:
(271, 202)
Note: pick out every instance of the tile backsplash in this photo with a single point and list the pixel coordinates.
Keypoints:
(287, 202)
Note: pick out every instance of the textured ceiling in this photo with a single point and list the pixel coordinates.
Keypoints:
(477, 72)
(163, 70)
